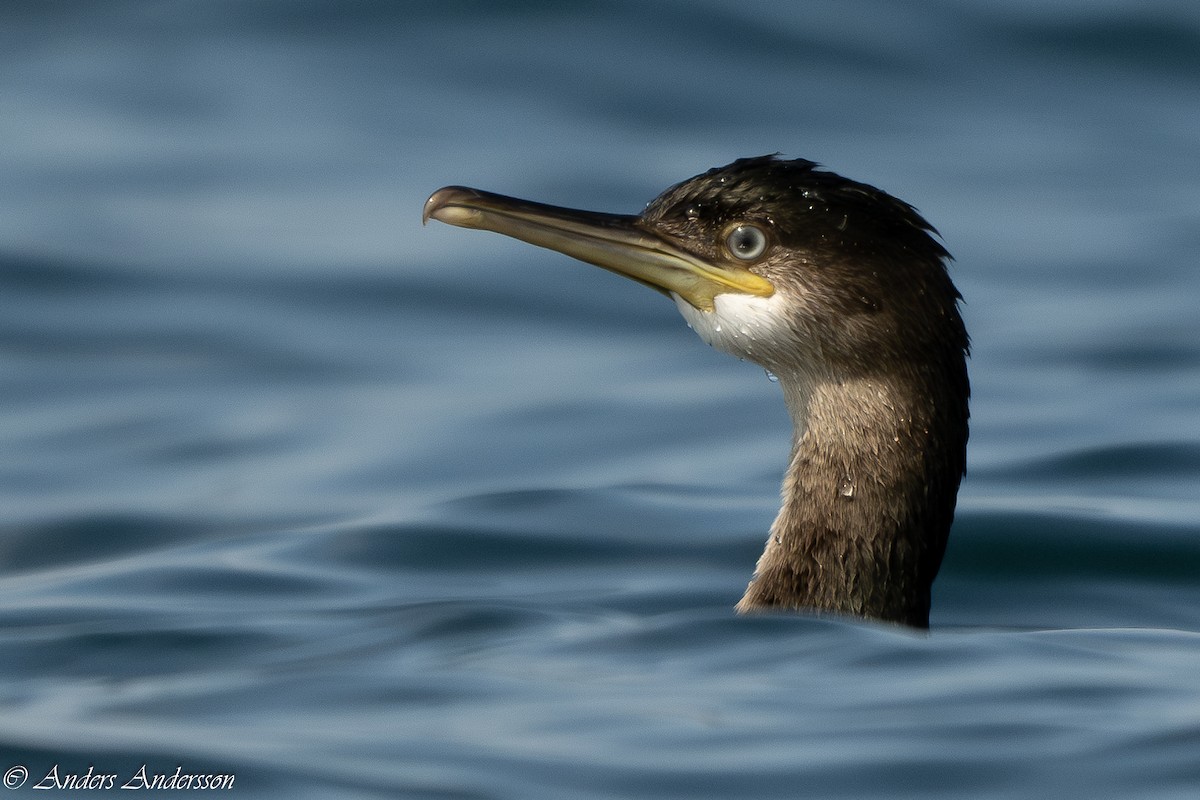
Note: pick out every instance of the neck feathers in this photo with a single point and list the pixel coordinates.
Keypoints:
(868, 498)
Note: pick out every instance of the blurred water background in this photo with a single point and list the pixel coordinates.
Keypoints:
(295, 490)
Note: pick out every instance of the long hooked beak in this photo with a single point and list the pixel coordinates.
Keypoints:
(616, 242)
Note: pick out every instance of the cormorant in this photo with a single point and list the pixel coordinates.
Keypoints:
(841, 291)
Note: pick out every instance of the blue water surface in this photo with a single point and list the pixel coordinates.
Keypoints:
(296, 491)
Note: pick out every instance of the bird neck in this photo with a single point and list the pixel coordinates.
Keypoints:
(867, 499)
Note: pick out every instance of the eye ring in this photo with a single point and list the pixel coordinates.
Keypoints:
(745, 242)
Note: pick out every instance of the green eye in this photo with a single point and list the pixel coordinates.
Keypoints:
(746, 242)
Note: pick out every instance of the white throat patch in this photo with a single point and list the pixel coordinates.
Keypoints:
(746, 326)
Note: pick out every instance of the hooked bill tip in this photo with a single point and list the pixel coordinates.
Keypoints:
(447, 205)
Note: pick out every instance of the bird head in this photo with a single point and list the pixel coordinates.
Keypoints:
(776, 261)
